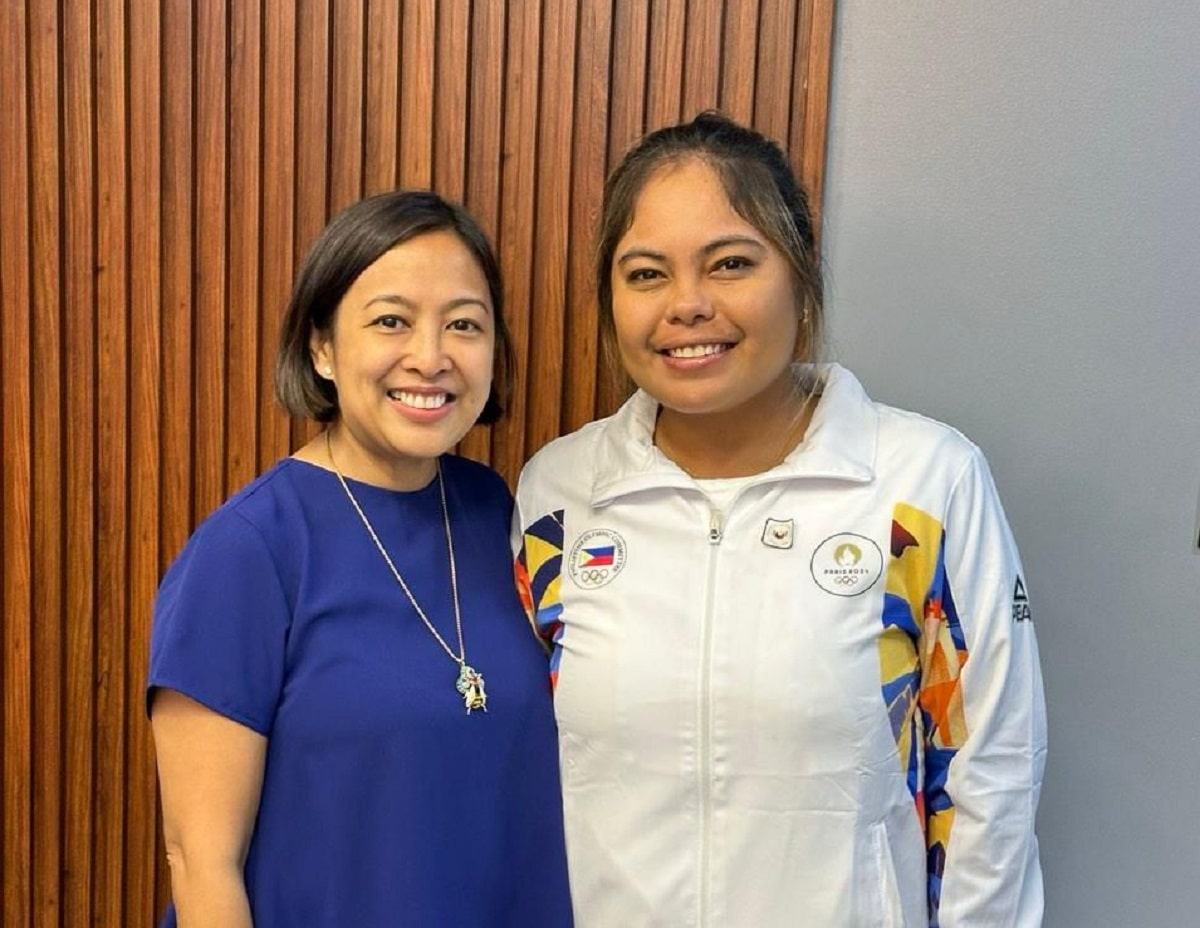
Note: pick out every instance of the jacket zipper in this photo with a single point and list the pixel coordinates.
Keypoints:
(715, 533)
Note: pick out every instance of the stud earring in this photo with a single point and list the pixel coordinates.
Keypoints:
(328, 372)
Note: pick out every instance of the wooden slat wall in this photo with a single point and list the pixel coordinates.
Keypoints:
(163, 167)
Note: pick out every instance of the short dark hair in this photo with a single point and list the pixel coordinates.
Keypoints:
(761, 188)
(355, 239)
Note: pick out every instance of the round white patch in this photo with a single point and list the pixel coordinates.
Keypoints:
(846, 564)
(596, 558)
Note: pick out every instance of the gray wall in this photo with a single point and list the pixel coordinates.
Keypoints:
(1013, 245)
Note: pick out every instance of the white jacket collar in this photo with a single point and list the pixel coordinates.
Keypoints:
(839, 445)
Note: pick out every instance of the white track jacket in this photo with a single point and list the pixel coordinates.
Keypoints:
(817, 706)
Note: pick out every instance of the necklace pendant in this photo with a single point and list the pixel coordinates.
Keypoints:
(470, 687)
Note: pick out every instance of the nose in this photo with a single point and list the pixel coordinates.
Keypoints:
(426, 351)
(690, 304)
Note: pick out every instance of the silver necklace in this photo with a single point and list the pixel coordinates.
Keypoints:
(470, 681)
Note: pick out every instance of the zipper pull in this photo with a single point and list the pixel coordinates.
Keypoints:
(714, 527)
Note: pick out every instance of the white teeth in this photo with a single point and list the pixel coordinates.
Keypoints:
(419, 400)
(695, 351)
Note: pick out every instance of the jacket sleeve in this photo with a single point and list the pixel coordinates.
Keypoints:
(520, 568)
(537, 562)
(983, 709)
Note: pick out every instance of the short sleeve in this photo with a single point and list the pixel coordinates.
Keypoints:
(221, 621)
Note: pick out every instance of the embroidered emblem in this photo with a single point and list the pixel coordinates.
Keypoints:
(846, 564)
(596, 558)
(777, 533)
(1020, 607)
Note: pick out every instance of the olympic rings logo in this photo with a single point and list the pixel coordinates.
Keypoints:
(847, 564)
(597, 544)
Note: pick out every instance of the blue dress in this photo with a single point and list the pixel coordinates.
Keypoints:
(383, 801)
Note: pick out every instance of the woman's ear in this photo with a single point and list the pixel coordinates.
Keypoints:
(320, 349)
(802, 350)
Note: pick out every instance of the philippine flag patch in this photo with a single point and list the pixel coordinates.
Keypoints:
(596, 558)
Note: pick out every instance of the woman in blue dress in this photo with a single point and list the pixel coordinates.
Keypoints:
(351, 716)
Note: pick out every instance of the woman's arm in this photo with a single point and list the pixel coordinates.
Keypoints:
(210, 770)
(986, 749)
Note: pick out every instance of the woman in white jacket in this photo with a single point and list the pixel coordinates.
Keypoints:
(796, 679)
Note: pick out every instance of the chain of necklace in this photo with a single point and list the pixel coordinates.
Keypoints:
(470, 681)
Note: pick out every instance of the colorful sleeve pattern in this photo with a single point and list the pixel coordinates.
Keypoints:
(922, 652)
(539, 576)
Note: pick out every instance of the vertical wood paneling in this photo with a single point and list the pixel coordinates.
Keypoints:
(811, 96)
(47, 424)
(211, 270)
(626, 123)
(450, 91)
(556, 115)
(516, 236)
(137, 859)
(79, 621)
(16, 588)
(739, 59)
(580, 362)
(417, 102)
(664, 71)
(383, 90)
(346, 103)
(175, 484)
(242, 394)
(702, 79)
(281, 195)
(163, 167)
(485, 136)
(627, 79)
(112, 418)
(773, 75)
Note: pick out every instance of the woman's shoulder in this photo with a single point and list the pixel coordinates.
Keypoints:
(846, 402)
(270, 504)
(477, 483)
(256, 535)
(917, 428)
(563, 466)
(575, 454)
(929, 452)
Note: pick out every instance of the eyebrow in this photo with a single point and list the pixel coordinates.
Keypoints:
(395, 299)
(715, 245)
